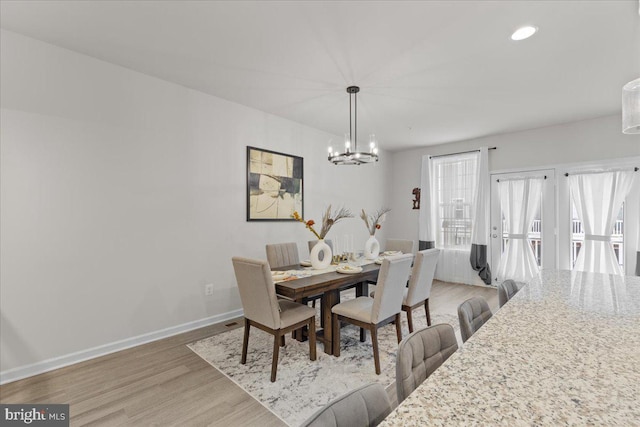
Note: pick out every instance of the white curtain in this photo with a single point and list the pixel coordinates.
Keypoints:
(481, 219)
(598, 198)
(520, 200)
(427, 217)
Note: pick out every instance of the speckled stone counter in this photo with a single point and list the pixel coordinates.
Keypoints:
(565, 350)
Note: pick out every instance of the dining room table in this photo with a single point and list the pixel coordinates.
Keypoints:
(565, 350)
(328, 283)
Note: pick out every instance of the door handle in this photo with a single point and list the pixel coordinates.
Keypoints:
(494, 235)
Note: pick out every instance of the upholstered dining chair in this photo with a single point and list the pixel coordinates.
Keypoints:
(506, 290)
(264, 311)
(404, 246)
(420, 354)
(373, 313)
(282, 254)
(365, 406)
(472, 314)
(419, 290)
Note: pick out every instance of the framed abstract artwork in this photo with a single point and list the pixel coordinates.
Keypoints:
(274, 185)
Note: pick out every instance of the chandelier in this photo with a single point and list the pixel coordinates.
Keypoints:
(351, 155)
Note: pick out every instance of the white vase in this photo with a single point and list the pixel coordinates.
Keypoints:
(316, 262)
(372, 248)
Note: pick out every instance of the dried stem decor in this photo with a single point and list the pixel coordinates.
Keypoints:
(374, 222)
(328, 220)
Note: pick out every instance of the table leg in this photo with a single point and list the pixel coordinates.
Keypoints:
(300, 334)
(362, 289)
(329, 299)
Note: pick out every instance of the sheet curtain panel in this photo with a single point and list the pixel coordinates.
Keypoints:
(598, 198)
(520, 200)
(481, 227)
(427, 215)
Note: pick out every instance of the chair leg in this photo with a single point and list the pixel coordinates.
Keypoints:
(426, 309)
(336, 335)
(374, 341)
(245, 341)
(410, 320)
(282, 341)
(363, 334)
(276, 352)
(398, 328)
(312, 338)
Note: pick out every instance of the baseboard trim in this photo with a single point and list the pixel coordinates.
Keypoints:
(26, 371)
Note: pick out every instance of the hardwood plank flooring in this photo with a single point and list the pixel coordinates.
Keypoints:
(165, 384)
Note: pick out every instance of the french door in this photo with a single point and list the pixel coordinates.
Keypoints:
(541, 236)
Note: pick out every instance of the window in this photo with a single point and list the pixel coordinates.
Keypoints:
(534, 237)
(455, 185)
(577, 236)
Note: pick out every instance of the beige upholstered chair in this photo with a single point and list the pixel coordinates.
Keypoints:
(506, 290)
(365, 406)
(420, 354)
(372, 313)
(404, 246)
(472, 314)
(419, 290)
(264, 311)
(282, 254)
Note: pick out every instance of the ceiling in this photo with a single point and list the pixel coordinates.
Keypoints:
(430, 72)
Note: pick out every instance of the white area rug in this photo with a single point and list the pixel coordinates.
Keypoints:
(303, 386)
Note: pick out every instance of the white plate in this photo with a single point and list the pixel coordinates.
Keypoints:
(280, 275)
(305, 263)
(391, 253)
(346, 269)
(379, 261)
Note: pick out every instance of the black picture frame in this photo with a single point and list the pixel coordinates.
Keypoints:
(275, 185)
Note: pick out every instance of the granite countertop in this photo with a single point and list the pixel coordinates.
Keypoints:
(565, 350)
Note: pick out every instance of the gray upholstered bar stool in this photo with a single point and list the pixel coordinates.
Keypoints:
(404, 246)
(420, 354)
(472, 314)
(282, 254)
(506, 290)
(365, 406)
(263, 310)
(373, 313)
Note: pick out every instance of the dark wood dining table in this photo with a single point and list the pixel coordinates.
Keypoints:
(329, 286)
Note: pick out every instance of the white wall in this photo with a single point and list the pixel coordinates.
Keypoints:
(122, 195)
(583, 141)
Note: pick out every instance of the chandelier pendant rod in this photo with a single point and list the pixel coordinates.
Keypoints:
(355, 123)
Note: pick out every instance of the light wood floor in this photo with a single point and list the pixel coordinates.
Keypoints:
(164, 383)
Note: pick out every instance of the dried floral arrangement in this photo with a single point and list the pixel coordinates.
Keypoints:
(374, 222)
(328, 220)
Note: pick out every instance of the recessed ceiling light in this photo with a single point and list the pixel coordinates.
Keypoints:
(523, 33)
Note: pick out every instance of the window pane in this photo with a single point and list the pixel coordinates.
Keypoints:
(455, 179)
(577, 236)
(534, 237)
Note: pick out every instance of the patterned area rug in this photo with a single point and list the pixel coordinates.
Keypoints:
(303, 386)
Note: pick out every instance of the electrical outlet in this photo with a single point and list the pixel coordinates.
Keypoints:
(208, 289)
